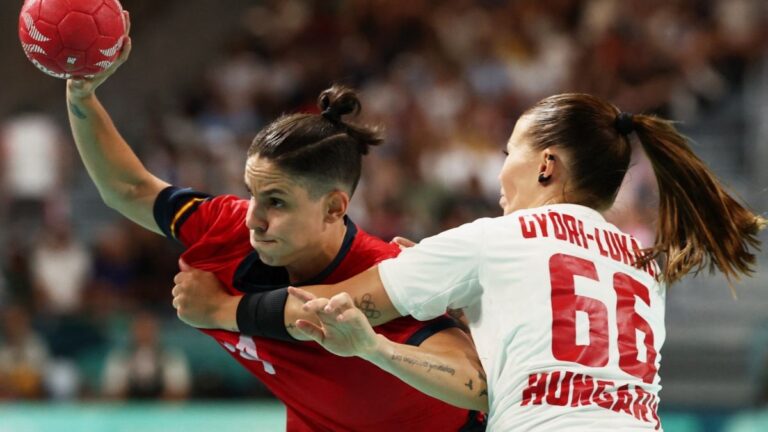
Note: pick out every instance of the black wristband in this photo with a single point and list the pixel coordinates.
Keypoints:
(263, 314)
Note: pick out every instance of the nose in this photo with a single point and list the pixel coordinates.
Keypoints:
(254, 220)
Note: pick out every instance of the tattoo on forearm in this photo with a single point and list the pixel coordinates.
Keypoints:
(429, 366)
(368, 307)
(484, 387)
(76, 111)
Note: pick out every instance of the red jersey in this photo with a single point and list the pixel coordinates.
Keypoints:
(322, 392)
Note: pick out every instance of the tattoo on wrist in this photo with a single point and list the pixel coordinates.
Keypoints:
(429, 366)
(76, 111)
(368, 307)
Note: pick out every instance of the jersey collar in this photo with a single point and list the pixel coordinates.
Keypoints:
(252, 275)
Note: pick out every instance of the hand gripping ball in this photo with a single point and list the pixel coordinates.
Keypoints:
(66, 38)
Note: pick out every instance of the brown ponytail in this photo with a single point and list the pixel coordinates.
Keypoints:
(700, 225)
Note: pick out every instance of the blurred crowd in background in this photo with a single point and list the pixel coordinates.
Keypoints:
(446, 80)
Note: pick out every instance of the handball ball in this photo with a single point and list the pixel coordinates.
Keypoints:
(66, 38)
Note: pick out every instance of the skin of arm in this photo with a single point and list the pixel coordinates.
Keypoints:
(201, 300)
(122, 180)
(445, 366)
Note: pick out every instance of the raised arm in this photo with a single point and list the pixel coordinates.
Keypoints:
(122, 180)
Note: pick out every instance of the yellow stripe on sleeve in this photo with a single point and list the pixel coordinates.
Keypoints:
(181, 212)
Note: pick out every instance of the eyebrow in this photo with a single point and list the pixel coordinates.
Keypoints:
(273, 191)
(270, 191)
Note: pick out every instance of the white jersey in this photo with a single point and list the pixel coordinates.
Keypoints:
(567, 329)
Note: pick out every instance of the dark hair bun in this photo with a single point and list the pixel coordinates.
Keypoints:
(338, 101)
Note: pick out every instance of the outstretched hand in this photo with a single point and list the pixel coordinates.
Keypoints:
(344, 330)
(82, 87)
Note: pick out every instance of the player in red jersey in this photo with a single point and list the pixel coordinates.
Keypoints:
(301, 171)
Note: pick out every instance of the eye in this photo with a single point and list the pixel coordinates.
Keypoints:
(276, 202)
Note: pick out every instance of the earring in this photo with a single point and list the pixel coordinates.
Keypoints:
(543, 178)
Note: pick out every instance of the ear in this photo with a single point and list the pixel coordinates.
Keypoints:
(336, 204)
(549, 163)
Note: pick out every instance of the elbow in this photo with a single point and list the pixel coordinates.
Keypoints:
(110, 199)
(116, 200)
(122, 196)
(481, 405)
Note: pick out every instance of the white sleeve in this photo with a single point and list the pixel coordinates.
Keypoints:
(439, 273)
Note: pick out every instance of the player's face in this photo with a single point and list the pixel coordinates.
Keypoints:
(519, 175)
(285, 223)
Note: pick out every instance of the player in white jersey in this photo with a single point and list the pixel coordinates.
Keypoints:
(567, 311)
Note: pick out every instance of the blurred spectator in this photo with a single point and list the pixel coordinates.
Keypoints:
(146, 369)
(60, 269)
(33, 168)
(115, 269)
(17, 279)
(23, 356)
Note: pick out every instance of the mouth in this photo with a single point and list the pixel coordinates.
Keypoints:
(264, 241)
(261, 241)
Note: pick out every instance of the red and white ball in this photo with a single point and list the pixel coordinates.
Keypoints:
(66, 38)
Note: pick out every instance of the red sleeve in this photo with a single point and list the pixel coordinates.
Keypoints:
(187, 216)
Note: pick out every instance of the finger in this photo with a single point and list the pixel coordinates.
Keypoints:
(311, 330)
(76, 83)
(176, 290)
(184, 266)
(315, 306)
(125, 51)
(301, 294)
(403, 242)
(351, 316)
(179, 278)
(127, 21)
(328, 317)
(339, 303)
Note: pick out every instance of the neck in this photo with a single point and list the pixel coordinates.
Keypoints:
(320, 257)
(537, 201)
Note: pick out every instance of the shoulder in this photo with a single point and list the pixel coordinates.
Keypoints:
(371, 248)
(219, 218)
(187, 215)
(226, 206)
